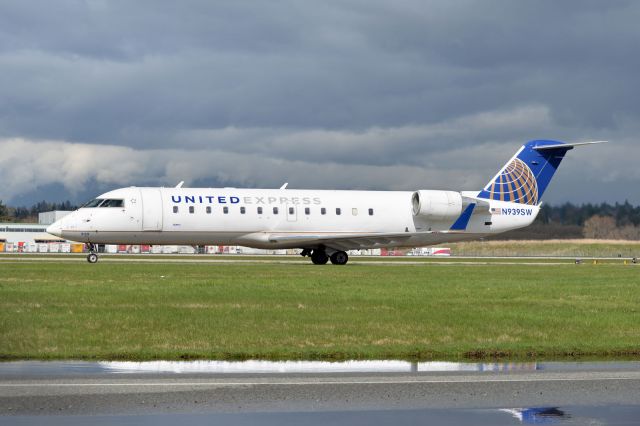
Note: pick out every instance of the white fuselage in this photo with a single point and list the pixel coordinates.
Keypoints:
(277, 218)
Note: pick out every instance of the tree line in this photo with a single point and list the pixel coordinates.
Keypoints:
(30, 214)
(571, 214)
(602, 221)
(568, 220)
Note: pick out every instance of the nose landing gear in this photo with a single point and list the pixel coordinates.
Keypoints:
(92, 257)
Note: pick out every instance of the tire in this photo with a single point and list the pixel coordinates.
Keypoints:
(319, 257)
(92, 258)
(339, 258)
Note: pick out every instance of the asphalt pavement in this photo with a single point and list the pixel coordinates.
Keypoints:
(108, 393)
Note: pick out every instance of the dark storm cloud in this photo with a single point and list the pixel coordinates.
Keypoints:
(305, 87)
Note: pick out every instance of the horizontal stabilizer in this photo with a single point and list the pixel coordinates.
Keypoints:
(565, 145)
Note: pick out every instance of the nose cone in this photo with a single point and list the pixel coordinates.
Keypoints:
(55, 229)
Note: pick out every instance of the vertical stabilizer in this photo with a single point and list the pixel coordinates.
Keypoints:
(526, 176)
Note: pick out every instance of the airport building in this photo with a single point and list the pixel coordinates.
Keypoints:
(26, 233)
(11, 232)
(32, 237)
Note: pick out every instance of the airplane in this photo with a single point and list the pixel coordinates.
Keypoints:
(324, 224)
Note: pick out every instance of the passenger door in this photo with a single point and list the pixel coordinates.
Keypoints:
(151, 209)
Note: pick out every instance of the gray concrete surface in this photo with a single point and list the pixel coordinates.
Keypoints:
(95, 394)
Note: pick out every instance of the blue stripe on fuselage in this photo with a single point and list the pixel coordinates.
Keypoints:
(462, 222)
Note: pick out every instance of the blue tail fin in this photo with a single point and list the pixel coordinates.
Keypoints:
(526, 176)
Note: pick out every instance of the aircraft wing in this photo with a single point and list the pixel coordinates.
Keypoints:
(342, 241)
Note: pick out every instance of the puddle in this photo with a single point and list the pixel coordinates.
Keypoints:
(573, 415)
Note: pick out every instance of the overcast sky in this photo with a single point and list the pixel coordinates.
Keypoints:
(361, 94)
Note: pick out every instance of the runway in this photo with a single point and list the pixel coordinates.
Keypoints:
(295, 260)
(151, 393)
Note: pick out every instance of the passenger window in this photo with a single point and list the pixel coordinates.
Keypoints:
(225, 210)
(259, 210)
(354, 212)
(242, 210)
(291, 210)
(323, 211)
(275, 210)
(307, 210)
(370, 212)
(208, 209)
(338, 211)
(175, 209)
(191, 209)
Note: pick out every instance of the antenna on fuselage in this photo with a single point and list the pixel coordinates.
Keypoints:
(180, 184)
(284, 186)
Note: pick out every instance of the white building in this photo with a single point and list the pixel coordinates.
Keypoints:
(25, 233)
(47, 218)
(30, 233)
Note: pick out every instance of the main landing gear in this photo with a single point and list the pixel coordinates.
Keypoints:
(92, 257)
(340, 258)
(319, 256)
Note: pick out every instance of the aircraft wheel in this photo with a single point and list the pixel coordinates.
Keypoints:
(319, 257)
(339, 258)
(92, 258)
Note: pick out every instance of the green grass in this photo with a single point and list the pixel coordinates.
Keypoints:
(134, 311)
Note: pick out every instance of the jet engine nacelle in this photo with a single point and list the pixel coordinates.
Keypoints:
(437, 205)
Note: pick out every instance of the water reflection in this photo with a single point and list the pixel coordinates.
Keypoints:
(66, 368)
(538, 415)
(255, 366)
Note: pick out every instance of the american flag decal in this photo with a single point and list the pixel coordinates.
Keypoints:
(496, 210)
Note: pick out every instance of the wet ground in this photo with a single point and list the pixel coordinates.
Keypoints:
(580, 415)
(353, 392)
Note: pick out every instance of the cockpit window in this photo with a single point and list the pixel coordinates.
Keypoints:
(112, 203)
(93, 203)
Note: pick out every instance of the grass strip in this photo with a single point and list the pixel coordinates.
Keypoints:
(137, 311)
